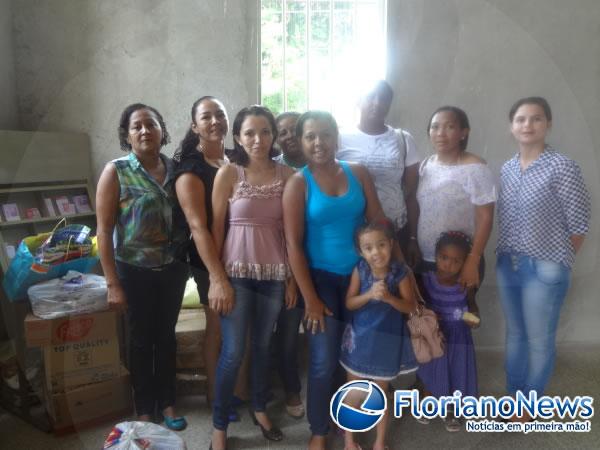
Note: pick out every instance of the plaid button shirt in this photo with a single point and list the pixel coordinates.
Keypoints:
(540, 208)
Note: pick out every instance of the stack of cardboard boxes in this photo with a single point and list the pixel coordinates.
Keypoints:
(84, 379)
(191, 371)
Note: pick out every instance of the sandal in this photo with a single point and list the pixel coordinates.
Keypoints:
(452, 424)
(175, 423)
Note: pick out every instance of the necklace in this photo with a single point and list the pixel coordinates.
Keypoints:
(214, 162)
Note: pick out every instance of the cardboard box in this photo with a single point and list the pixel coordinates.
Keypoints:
(91, 404)
(189, 332)
(40, 332)
(191, 384)
(190, 329)
(191, 360)
(77, 363)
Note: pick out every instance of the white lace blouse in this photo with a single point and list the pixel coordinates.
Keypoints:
(447, 196)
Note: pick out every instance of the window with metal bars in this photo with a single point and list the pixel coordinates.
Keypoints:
(318, 54)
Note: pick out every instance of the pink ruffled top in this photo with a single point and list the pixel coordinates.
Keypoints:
(255, 245)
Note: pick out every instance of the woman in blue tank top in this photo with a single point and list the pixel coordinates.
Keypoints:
(323, 204)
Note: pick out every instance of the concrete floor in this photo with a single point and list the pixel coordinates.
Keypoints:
(577, 373)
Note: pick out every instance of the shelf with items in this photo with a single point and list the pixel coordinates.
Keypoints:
(27, 210)
(37, 166)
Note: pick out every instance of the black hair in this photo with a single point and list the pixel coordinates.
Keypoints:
(383, 87)
(315, 115)
(123, 130)
(239, 155)
(189, 143)
(384, 225)
(286, 115)
(540, 101)
(461, 117)
(456, 238)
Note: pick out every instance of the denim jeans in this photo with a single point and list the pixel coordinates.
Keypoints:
(153, 302)
(324, 349)
(287, 338)
(257, 305)
(532, 292)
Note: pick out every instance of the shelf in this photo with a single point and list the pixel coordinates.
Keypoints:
(45, 187)
(45, 219)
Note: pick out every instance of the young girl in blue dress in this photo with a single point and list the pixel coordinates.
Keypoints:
(457, 314)
(376, 344)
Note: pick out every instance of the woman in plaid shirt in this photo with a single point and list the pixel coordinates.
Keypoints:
(543, 214)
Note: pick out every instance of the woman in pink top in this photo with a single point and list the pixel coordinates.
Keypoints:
(248, 194)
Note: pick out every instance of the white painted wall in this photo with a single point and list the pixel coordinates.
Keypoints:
(79, 62)
(9, 117)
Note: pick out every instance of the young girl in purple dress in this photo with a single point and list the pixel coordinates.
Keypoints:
(457, 314)
(376, 344)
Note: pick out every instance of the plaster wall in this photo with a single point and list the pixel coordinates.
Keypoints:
(78, 63)
(483, 55)
(9, 116)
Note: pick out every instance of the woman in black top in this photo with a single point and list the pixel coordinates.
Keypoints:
(201, 153)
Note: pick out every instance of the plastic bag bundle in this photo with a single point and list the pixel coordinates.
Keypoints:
(42, 257)
(74, 293)
(142, 435)
(65, 244)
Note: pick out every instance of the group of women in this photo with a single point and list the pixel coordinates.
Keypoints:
(272, 240)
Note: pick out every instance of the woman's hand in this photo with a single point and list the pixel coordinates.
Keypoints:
(291, 293)
(117, 300)
(413, 254)
(469, 276)
(221, 297)
(314, 316)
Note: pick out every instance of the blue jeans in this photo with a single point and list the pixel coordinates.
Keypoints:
(257, 305)
(532, 292)
(287, 338)
(324, 349)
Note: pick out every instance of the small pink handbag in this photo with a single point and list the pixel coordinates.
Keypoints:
(425, 334)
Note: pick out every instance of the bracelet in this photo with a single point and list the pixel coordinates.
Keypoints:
(475, 254)
(412, 238)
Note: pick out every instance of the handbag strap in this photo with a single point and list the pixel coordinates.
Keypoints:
(63, 220)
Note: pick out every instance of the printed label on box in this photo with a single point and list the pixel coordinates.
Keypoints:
(78, 363)
(40, 332)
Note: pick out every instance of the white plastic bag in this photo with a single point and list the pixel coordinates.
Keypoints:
(74, 293)
(142, 435)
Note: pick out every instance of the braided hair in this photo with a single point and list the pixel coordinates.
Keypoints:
(456, 238)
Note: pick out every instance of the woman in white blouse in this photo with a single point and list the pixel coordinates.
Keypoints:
(456, 192)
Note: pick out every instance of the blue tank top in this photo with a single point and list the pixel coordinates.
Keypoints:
(330, 223)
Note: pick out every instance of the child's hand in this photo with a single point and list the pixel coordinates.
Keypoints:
(379, 290)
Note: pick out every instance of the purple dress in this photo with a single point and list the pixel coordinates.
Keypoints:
(457, 369)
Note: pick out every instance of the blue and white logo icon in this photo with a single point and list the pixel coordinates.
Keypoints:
(373, 404)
